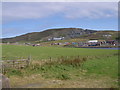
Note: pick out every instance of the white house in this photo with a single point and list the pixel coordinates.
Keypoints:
(108, 35)
(57, 38)
(50, 39)
(92, 41)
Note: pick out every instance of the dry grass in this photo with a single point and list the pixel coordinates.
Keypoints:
(81, 82)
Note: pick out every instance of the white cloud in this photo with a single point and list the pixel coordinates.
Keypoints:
(93, 10)
(30, 10)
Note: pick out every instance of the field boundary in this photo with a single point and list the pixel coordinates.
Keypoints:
(16, 64)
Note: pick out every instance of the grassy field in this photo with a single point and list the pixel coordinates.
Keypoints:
(70, 67)
(38, 53)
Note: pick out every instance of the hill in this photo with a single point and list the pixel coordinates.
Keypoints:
(67, 33)
(105, 35)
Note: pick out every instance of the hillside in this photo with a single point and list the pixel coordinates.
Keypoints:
(67, 33)
(105, 35)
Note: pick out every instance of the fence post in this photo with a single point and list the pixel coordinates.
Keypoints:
(50, 59)
(18, 65)
(3, 69)
(13, 63)
(29, 60)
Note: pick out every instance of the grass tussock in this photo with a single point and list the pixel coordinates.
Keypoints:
(74, 61)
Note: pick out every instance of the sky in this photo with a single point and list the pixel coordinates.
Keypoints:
(25, 17)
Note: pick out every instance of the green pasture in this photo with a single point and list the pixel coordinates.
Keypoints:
(98, 63)
(37, 53)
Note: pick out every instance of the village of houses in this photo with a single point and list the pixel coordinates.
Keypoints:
(85, 43)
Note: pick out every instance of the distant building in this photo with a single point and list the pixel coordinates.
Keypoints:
(107, 35)
(110, 41)
(55, 39)
(92, 41)
(49, 39)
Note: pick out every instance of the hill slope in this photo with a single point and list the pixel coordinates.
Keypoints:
(44, 35)
(68, 33)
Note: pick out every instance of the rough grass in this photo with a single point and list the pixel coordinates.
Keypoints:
(67, 76)
(77, 67)
(103, 72)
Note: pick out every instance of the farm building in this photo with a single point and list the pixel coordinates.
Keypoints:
(55, 39)
(92, 41)
(107, 35)
(112, 42)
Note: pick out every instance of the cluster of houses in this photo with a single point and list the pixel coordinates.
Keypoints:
(99, 43)
(78, 44)
(90, 43)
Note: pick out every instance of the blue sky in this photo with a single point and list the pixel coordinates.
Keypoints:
(24, 17)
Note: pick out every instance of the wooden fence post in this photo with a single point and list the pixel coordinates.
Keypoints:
(3, 69)
(13, 63)
(50, 59)
(29, 60)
